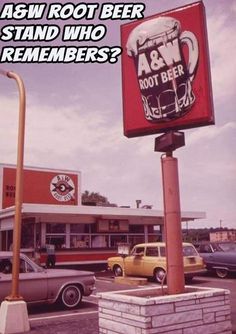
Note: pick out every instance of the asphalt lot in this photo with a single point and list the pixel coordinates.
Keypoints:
(84, 320)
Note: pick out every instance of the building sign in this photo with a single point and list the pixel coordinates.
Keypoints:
(40, 187)
(165, 72)
(62, 188)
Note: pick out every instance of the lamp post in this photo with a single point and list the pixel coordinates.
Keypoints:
(17, 309)
(19, 187)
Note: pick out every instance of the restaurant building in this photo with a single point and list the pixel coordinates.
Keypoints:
(52, 214)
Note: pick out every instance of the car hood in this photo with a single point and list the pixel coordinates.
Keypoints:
(229, 255)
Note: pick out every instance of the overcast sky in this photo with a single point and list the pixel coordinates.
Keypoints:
(74, 121)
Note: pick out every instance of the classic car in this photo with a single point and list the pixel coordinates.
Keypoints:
(218, 258)
(149, 260)
(212, 246)
(40, 285)
(227, 246)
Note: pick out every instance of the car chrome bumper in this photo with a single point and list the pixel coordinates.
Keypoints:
(195, 273)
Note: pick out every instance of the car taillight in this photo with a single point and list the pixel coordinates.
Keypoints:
(203, 262)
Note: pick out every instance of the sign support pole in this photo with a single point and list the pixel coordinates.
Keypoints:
(172, 216)
(167, 143)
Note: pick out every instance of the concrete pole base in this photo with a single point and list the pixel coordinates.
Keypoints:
(14, 317)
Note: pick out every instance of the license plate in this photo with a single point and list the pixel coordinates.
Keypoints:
(192, 260)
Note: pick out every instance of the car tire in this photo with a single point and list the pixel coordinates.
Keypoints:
(222, 273)
(71, 296)
(160, 275)
(118, 271)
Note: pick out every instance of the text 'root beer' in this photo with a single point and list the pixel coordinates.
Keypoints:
(165, 80)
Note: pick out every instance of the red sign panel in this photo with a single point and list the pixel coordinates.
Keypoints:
(41, 187)
(165, 72)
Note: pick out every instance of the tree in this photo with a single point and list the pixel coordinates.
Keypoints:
(94, 198)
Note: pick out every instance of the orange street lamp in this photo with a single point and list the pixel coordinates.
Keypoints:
(14, 296)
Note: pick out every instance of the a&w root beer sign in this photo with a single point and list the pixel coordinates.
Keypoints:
(165, 72)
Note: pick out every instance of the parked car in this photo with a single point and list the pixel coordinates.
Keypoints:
(212, 246)
(227, 246)
(218, 258)
(40, 285)
(149, 260)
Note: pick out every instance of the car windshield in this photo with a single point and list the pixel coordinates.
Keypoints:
(217, 248)
(228, 247)
(34, 266)
(26, 265)
(137, 251)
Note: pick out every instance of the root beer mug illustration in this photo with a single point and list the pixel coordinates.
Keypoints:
(164, 75)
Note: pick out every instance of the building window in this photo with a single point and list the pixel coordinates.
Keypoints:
(79, 241)
(115, 239)
(79, 235)
(136, 228)
(58, 240)
(79, 228)
(99, 241)
(27, 235)
(113, 225)
(135, 239)
(56, 235)
(103, 234)
(55, 228)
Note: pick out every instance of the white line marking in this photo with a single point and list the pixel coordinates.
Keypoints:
(88, 300)
(105, 281)
(62, 315)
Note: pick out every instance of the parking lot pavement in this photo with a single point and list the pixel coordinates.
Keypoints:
(82, 323)
(85, 319)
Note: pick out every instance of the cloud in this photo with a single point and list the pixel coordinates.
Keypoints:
(74, 121)
(204, 134)
(221, 32)
(233, 7)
